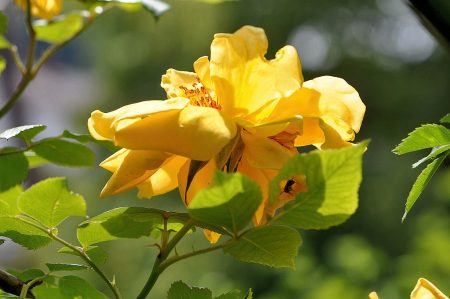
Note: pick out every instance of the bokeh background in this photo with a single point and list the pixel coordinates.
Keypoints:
(378, 46)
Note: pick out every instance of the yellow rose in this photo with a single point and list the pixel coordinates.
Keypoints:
(237, 112)
(45, 9)
(423, 290)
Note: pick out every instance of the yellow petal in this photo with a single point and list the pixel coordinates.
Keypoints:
(104, 125)
(45, 9)
(173, 80)
(133, 168)
(312, 133)
(243, 79)
(164, 179)
(426, 290)
(212, 237)
(264, 152)
(373, 295)
(201, 67)
(198, 133)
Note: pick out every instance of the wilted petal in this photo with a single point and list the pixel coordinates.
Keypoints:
(198, 133)
(243, 79)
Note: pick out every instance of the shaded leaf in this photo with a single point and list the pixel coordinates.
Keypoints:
(426, 136)
(84, 138)
(180, 290)
(50, 202)
(13, 167)
(76, 287)
(332, 177)
(127, 222)
(275, 246)
(230, 295)
(26, 133)
(34, 160)
(2, 64)
(95, 253)
(22, 233)
(3, 23)
(421, 182)
(65, 267)
(63, 152)
(28, 274)
(60, 29)
(230, 202)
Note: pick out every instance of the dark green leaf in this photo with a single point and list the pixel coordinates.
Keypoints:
(13, 168)
(2, 241)
(421, 182)
(50, 202)
(95, 253)
(26, 133)
(29, 274)
(230, 295)
(2, 64)
(63, 152)
(132, 222)
(60, 29)
(426, 136)
(65, 267)
(332, 177)
(230, 202)
(275, 246)
(84, 138)
(75, 287)
(445, 119)
(435, 151)
(3, 23)
(180, 290)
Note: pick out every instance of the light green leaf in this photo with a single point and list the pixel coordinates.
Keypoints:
(4, 43)
(273, 245)
(435, 151)
(2, 64)
(26, 133)
(76, 287)
(29, 274)
(13, 167)
(8, 201)
(332, 177)
(60, 29)
(180, 290)
(63, 152)
(22, 233)
(65, 267)
(445, 119)
(95, 253)
(129, 222)
(230, 202)
(50, 202)
(426, 136)
(3, 23)
(7, 296)
(84, 138)
(421, 182)
(156, 7)
(44, 291)
(34, 160)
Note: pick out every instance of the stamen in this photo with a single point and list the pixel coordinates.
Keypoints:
(199, 95)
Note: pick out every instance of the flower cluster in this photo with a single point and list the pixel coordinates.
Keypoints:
(237, 112)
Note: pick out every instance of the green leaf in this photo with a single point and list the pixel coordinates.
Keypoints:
(230, 295)
(180, 290)
(29, 274)
(60, 29)
(22, 233)
(216, 1)
(50, 202)
(65, 267)
(84, 138)
(34, 160)
(127, 222)
(435, 151)
(332, 177)
(4, 43)
(445, 119)
(3, 23)
(44, 291)
(7, 296)
(273, 245)
(26, 133)
(421, 182)
(426, 136)
(230, 202)
(63, 152)
(75, 287)
(95, 253)
(2, 64)
(8, 201)
(13, 166)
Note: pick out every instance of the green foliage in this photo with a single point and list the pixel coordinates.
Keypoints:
(34, 160)
(3, 23)
(59, 30)
(26, 133)
(230, 202)
(332, 177)
(63, 152)
(132, 222)
(85, 138)
(2, 64)
(14, 167)
(4, 43)
(273, 245)
(434, 136)
(68, 287)
(54, 267)
(180, 290)
(95, 253)
(50, 202)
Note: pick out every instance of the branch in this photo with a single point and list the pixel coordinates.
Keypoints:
(13, 285)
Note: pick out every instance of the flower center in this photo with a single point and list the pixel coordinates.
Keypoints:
(199, 95)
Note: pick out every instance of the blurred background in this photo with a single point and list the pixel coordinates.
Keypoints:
(378, 46)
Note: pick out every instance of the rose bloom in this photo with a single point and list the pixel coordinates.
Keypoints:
(237, 112)
(423, 290)
(45, 9)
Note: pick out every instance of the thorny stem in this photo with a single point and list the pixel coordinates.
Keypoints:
(79, 251)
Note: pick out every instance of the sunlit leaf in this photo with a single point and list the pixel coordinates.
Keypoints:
(426, 136)
(230, 202)
(13, 168)
(156, 7)
(445, 119)
(50, 202)
(95, 253)
(332, 177)
(8, 201)
(54, 267)
(180, 290)
(2, 64)
(34, 160)
(435, 151)
(63, 152)
(130, 222)
(421, 182)
(4, 43)
(22, 233)
(76, 287)
(60, 29)
(26, 133)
